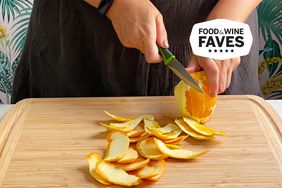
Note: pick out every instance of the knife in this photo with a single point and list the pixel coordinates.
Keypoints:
(171, 62)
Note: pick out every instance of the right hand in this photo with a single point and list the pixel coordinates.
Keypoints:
(139, 24)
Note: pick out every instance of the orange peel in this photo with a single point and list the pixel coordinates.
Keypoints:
(177, 153)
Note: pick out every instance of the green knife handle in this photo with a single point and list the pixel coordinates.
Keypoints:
(166, 54)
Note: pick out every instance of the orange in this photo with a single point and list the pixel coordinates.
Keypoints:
(193, 104)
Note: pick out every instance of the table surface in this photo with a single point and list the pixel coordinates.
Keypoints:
(276, 104)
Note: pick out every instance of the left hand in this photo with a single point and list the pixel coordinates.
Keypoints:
(218, 72)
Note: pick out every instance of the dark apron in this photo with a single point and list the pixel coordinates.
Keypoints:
(73, 51)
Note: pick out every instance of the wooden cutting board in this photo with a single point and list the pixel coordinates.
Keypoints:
(43, 142)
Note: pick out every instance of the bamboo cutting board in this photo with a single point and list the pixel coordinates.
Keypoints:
(43, 142)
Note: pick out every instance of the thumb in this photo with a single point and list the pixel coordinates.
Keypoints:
(193, 65)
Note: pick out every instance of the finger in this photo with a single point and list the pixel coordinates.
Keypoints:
(222, 75)
(229, 77)
(193, 65)
(161, 32)
(211, 69)
(236, 62)
(151, 51)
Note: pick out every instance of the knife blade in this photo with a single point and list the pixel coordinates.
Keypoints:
(173, 64)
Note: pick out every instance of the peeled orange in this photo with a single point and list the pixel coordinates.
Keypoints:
(193, 104)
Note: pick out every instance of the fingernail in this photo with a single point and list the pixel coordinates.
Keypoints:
(221, 88)
(165, 44)
(190, 69)
(212, 94)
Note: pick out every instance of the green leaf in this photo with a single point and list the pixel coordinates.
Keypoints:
(6, 74)
(20, 29)
(11, 7)
(15, 63)
(266, 49)
(275, 95)
(271, 44)
(275, 52)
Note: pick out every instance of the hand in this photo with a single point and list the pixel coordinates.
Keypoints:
(139, 24)
(218, 72)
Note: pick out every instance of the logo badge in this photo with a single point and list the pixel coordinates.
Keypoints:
(221, 39)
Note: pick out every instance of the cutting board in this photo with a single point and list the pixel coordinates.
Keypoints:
(43, 142)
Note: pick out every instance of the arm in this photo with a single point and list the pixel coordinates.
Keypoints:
(237, 10)
(219, 73)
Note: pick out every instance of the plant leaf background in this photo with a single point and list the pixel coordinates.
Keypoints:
(270, 65)
(14, 19)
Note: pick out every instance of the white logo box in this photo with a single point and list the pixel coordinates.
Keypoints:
(221, 39)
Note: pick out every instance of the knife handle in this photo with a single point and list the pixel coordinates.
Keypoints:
(166, 54)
